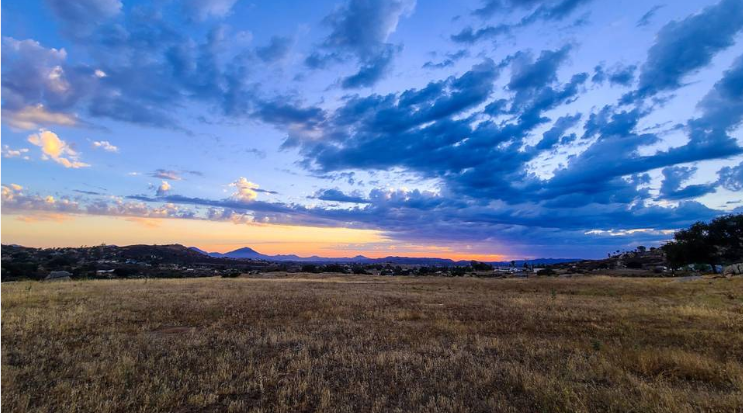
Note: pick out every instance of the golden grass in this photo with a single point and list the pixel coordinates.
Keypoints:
(325, 343)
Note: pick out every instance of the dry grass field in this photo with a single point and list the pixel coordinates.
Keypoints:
(343, 343)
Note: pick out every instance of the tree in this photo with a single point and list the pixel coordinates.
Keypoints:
(309, 268)
(481, 266)
(726, 235)
(694, 246)
(720, 241)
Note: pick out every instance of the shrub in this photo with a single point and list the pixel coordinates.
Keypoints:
(546, 271)
(635, 265)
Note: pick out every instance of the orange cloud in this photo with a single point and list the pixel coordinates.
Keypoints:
(52, 147)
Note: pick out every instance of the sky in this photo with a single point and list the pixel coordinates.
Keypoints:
(481, 129)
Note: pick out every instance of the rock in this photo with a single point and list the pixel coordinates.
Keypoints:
(735, 269)
(58, 276)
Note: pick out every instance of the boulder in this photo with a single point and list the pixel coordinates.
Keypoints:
(58, 276)
(735, 269)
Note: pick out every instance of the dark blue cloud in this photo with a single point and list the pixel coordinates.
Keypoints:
(360, 29)
(528, 74)
(682, 47)
(371, 71)
(547, 10)
(469, 35)
(336, 195)
(556, 134)
(674, 177)
(617, 75)
(451, 59)
(645, 19)
(731, 178)
(276, 49)
(282, 112)
(491, 7)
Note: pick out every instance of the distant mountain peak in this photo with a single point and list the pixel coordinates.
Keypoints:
(244, 250)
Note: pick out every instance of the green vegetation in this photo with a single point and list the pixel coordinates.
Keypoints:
(719, 242)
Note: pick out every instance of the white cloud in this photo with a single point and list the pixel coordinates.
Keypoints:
(56, 80)
(56, 149)
(106, 146)
(14, 153)
(245, 190)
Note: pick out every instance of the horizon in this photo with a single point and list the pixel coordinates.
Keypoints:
(455, 257)
(488, 130)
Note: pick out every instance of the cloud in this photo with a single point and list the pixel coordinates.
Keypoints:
(731, 178)
(527, 73)
(32, 117)
(645, 19)
(685, 46)
(363, 26)
(491, 7)
(54, 148)
(557, 133)
(470, 36)
(337, 195)
(166, 174)
(163, 189)
(79, 17)
(106, 146)
(203, 9)
(14, 199)
(265, 191)
(451, 59)
(674, 177)
(80, 191)
(15, 153)
(372, 71)
(617, 75)
(546, 10)
(360, 29)
(277, 49)
(245, 191)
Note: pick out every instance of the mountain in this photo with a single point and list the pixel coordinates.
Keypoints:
(198, 250)
(245, 252)
(249, 253)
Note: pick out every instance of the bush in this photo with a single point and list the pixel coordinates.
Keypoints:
(310, 268)
(546, 271)
(635, 265)
(359, 270)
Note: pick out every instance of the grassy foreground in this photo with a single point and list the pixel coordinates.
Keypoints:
(321, 343)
